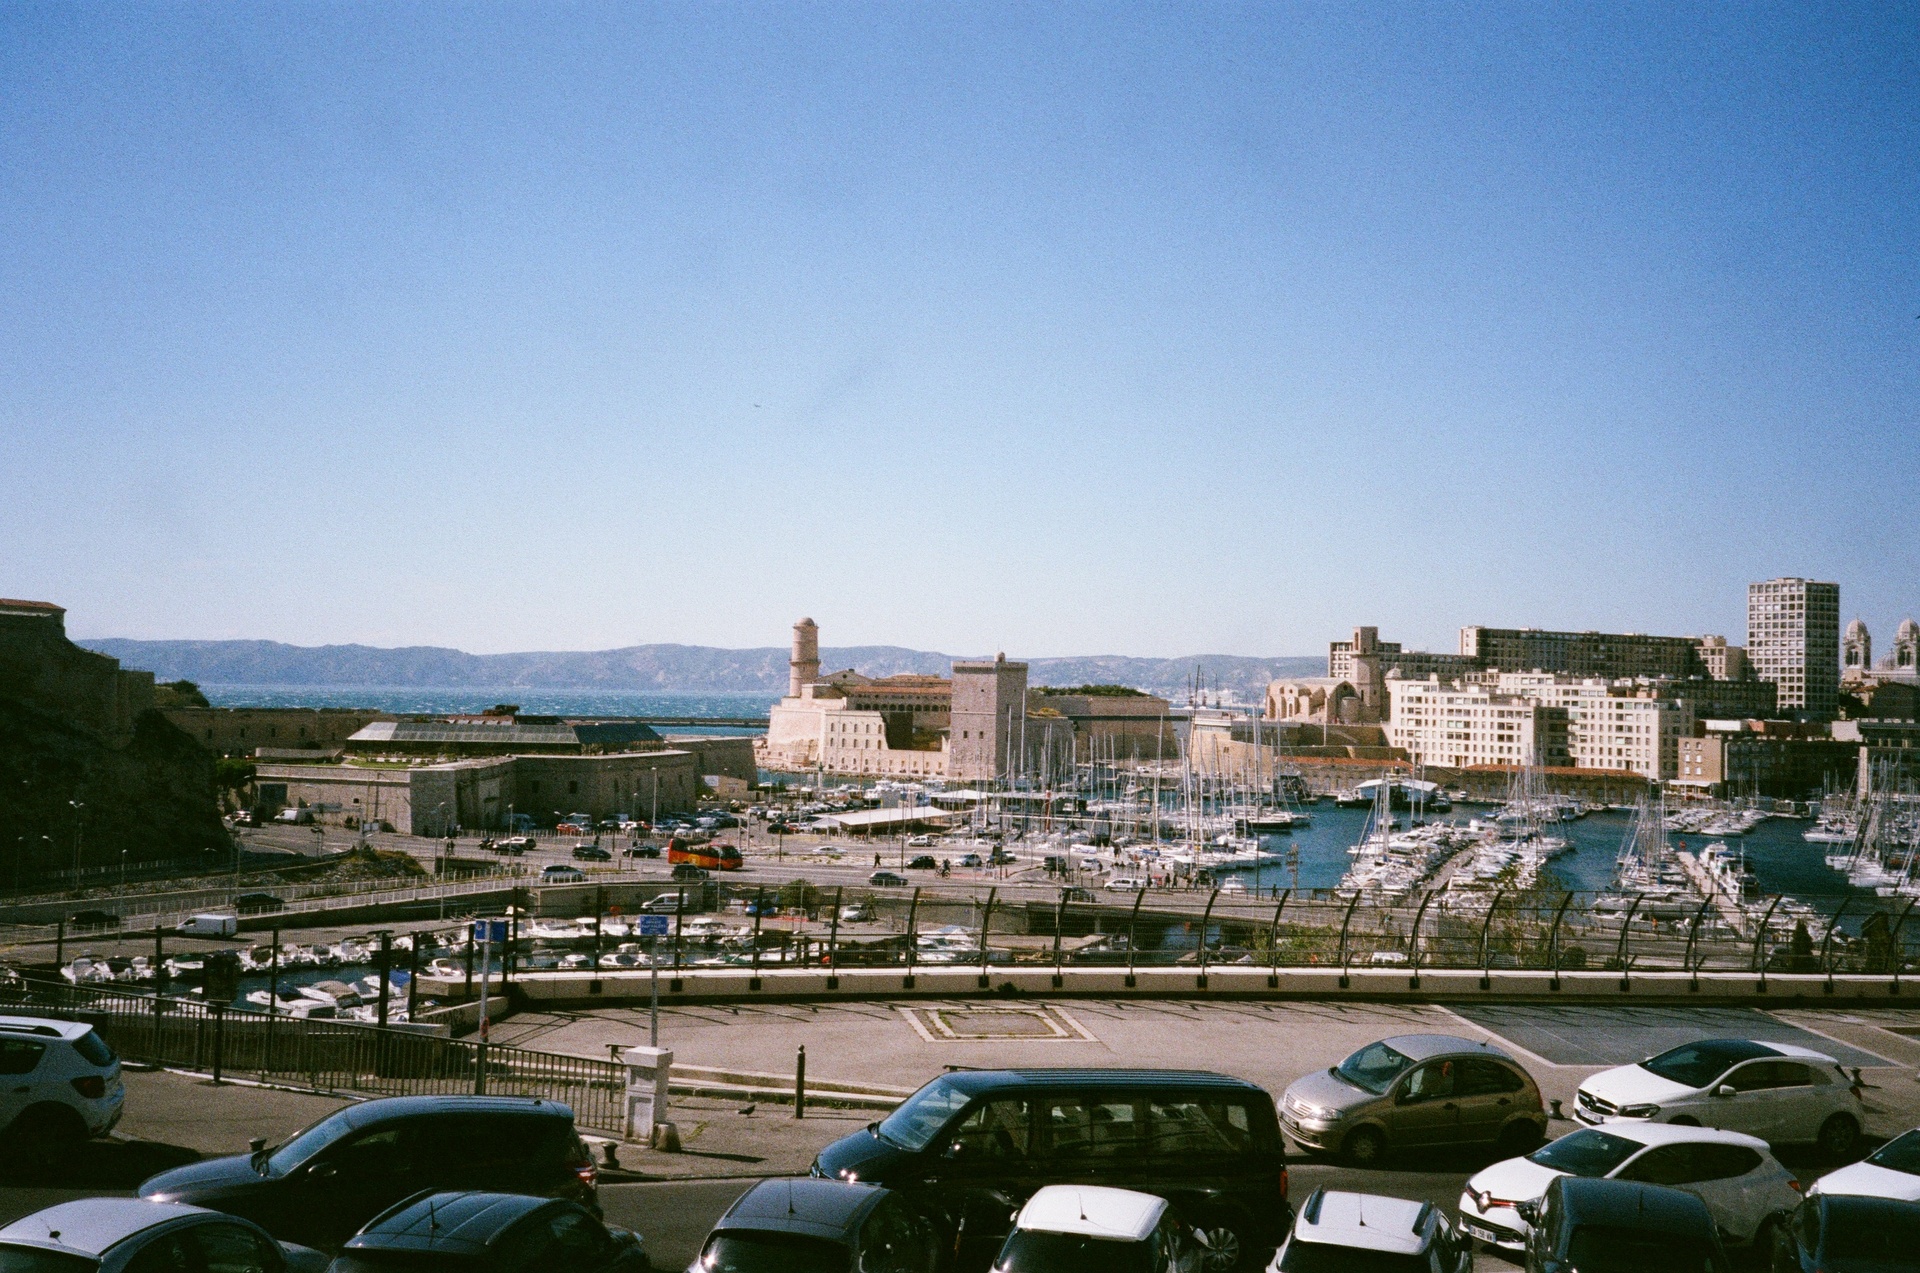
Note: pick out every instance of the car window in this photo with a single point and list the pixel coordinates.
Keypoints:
(1791, 1074)
(19, 1056)
(995, 1130)
(1698, 1064)
(1177, 1125)
(1755, 1076)
(93, 1049)
(1373, 1068)
(333, 1127)
(20, 1259)
(1607, 1249)
(385, 1151)
(1586, 1152)
(1430, 1082)
(1091, 1127)
(917, 1121)
(228, 1248)
(1723, 1162)
(893, 1239)
(1487, 1078)
(483, 1142)
(1902, 1153)
(167, 1253)
(1664, 1165)
(1888, 1242)
(746, 1251)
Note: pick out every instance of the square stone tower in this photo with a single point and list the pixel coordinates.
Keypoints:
(989, 702)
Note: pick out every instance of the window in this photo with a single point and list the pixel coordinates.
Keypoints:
(1429, 1082)
(1179, 1126)
(1487, 1078)
(995, 1131)
(1082, 1129)
(19, 1056)
(228, 1248)
(1666, 1165)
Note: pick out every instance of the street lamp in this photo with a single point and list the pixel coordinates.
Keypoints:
(79, 832)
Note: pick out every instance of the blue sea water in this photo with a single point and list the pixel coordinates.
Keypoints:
(407, 699)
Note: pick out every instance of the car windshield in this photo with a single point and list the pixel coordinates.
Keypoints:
(1373, 1067)
(1324, 1257)
(1698, 1064)
(1585, 1153)
(920, 1118)
(746, 1252)
(1885, 1234)
(26, 1259)
(1028, 1252)
(308, 1143)
(1902, 1153)
(1599, 1248)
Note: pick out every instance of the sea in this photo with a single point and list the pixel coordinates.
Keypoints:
(428, 701)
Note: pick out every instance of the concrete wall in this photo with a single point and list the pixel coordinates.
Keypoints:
(237, 731)
(44, 670)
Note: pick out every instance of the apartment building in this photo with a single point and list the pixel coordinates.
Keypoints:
(1611, 724)
(1446, 723)
(1793, 640)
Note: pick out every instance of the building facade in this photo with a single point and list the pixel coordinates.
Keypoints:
(1611, 724)
(1724, 662)
(1461, 726)
(1604, 654)
(989, 710)
(1793, 640)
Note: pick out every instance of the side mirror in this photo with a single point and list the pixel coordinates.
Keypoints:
(1527, 1209)
(954, 1150)
(1725, 1089)
(257, 1144)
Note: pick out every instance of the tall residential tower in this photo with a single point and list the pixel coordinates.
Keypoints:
(1793, 640)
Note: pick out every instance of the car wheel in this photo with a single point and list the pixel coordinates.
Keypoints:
(1517, 1139)
(1363, 1147)
(1837, 1135)
(44, 1125)
(1224, 1248)
(1760, 1253)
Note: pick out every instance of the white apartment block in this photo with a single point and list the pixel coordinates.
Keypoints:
(1611, 724)
(1793, 640)
(1442, 723)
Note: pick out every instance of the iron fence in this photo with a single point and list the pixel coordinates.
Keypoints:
(328, 1056)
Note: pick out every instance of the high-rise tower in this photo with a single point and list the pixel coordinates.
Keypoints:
(989, 704)
(1793, 640)
(804, 667)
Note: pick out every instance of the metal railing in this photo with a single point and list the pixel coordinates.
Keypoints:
(328, 1056)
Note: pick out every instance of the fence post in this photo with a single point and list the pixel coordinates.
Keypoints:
(219, 1039)
(60, 944)
(383, 968)
(1553, 938)
(800, 1083)
(913, 940)
(1693, 937)
(1893, 943)
(273, 1001)
(1759, 936)
(986, 924)
(759, 914)
(1626, 930)
(1826, 945)
(679, 920)
(1486, 936)
(1273, 943)
(1346, 923)
(413, 974)
(1413, 938)
(833, 941)
(1205, 916)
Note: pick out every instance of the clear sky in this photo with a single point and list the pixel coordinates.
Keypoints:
(1048, 328)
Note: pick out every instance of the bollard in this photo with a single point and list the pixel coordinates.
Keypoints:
(649, 1071)
(800, 1083)
(1554, 1106)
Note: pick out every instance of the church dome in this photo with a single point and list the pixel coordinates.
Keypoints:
(1909, 631)
(1858, 629)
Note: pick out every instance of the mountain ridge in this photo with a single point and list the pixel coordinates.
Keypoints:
(661, 667)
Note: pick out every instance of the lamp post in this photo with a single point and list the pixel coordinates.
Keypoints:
(79, 834)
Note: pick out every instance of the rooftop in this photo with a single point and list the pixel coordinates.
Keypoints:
(1093, 1211)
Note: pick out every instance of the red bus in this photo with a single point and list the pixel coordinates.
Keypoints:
(714, 857)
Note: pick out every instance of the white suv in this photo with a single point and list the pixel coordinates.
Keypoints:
(1781, 1093)
(1891, 1171)
(1742, 1184)
(58, 1079)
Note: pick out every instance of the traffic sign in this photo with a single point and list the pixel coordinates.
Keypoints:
(490, 930)
(653, 925)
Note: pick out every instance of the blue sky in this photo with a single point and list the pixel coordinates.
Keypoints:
(1047, 328)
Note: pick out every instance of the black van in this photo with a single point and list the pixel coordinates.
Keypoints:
(324, 1183)
(973, 1145)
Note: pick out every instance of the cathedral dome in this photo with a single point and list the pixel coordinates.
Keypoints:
(1858, 629)
(1909, 631)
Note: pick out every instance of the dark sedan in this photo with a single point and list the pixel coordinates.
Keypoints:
(1836, 1233)
(489, 1233)
(592, 853)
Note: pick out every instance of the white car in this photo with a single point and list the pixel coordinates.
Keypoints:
(1742, 1184)
(1783, 1094)
(557, 874)
(919, 841)
(1891, 1171)
(1124, 884)
(112, 1235)
(1095, 1226)
(1340, 1232)
(61, 1080)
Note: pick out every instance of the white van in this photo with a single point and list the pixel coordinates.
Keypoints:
(208, 926)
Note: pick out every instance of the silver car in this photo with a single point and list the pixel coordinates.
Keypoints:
(1415, 1091)
(108, 1235)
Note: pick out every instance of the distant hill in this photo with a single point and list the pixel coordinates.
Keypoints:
(662, 668)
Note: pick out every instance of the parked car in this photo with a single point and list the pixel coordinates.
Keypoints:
(919, 841)
(643, 851)
(321, 1186)
(560, 873)
(514, 845)
(243, 818)
(1891, 1171)
(209, 925)
(1847, 1233)
(1744, 1187)
(923, 863)
(1616, 1226)
(856, 913)
(489, 1233)
(821, 1226)
(113, 1235)
(1124, 884)
(1776, 1091)
(688, 871)
(258, 903)
(971, 859)
(1076, 894)
(886, 879)
(664, 903)
(1091, 1227)
(591, 853)
(972, 1143)
(93, 919)
(1415, 1090)
(1342, 1232)
(59, 1081)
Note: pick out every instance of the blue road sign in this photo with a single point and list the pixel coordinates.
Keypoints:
(490, 930)
(653, 925)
